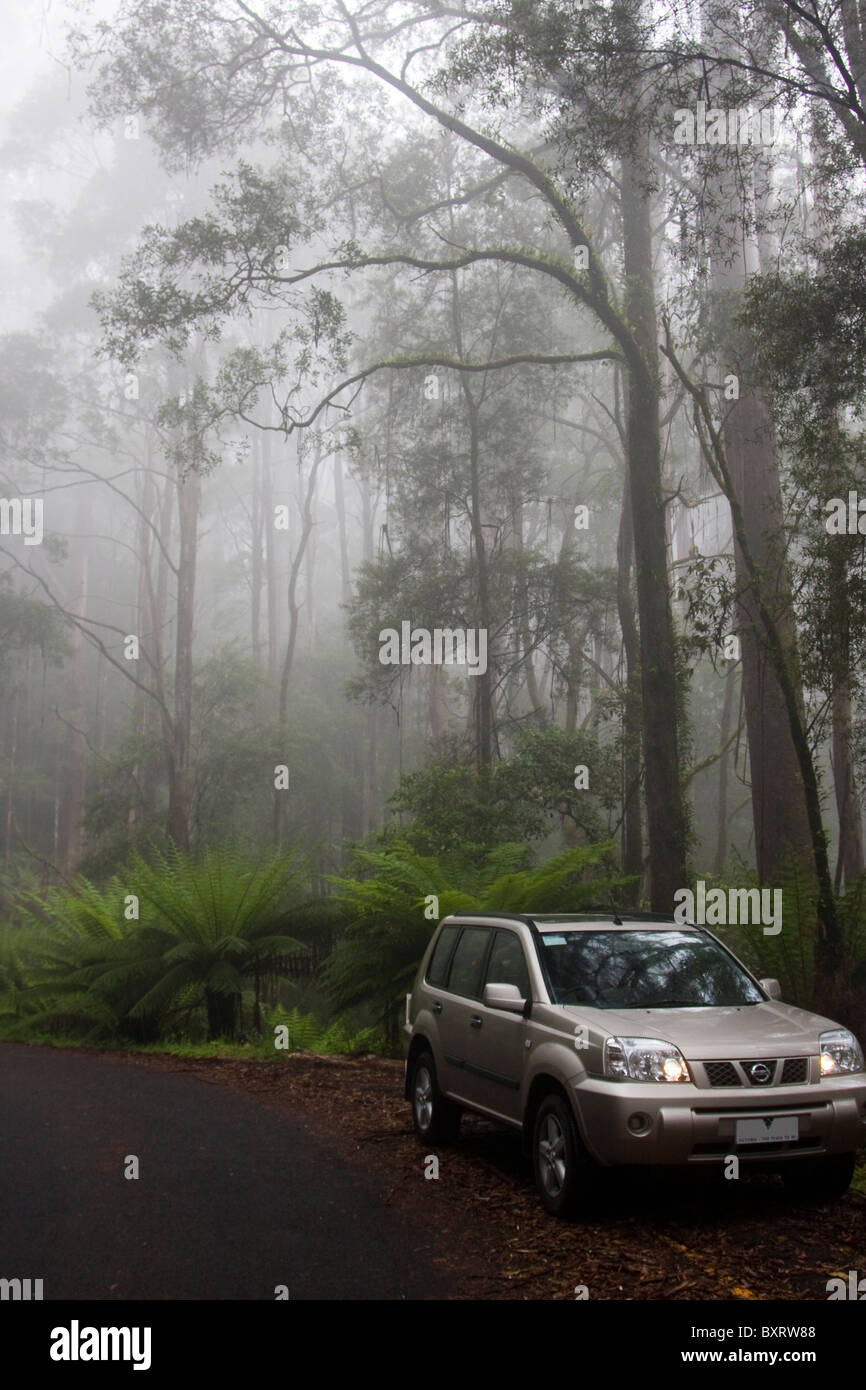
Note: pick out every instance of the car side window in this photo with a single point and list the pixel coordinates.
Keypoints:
(465, 975)
(438, 967)
(507, 964)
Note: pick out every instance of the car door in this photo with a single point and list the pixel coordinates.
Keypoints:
(459, 1002)
(495, 1056)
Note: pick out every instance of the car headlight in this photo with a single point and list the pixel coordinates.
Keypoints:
(840, 1052)
(643, 1059)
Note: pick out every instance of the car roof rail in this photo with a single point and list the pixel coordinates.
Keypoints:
(620, 915)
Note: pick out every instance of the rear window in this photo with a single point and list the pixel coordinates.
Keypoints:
(465, 975)
(438, 967)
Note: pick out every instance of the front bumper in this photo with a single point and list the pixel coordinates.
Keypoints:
(690, 1125)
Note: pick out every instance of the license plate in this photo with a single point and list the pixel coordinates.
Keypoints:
(782, 1129)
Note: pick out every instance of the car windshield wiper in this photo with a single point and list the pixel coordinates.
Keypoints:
(675, 1004)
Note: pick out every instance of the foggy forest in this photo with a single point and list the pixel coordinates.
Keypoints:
(431, 442)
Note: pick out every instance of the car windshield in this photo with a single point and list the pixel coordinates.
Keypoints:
(656, 969)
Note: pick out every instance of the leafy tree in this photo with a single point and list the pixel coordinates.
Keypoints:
(456, 812)
(280, 74)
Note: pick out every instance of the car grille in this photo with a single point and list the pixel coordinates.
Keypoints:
(758, 1071)
(795, 1069)
(721, 1074)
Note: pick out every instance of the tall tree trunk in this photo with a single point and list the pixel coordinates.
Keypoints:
(782, 833)
(222, 1014)
(372, 810)
(849, 864)
(666, 824)
(850, 860)
(482, 684)
(632, 827)
(310, 566)
(307, 522)
(340, 505)
(10, 789)
(258, 522)
(522, 614)
(272, 600)
(75, 750)
(850, 856)
(180, 793)
(778, 803)
(722, 800)
(786, 796)
(146, 624)
(372, 801)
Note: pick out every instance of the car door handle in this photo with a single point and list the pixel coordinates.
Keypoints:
(475, 1021)
(436, 1006)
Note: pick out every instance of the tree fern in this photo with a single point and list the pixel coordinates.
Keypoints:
(208, 923)
(388, 930)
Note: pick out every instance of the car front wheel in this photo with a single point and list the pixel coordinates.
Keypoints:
(562, 1165)
(437, 1120)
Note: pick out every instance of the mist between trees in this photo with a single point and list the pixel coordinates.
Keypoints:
(330, 326)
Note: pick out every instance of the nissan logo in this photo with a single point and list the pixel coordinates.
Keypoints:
(760, 1073)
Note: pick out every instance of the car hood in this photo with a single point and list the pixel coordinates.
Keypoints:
(758, 1030)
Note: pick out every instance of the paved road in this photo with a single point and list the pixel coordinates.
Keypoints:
(232, 1199)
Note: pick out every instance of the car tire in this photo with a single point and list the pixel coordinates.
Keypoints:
(563, 1169)
(820, 1180)
(437, 1120)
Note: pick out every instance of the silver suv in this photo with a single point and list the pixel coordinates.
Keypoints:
(612, 1039)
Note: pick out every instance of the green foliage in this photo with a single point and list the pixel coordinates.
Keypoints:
(14, 979)
(26, 623)
(388, 931)
(706, 588)
(209, 922)
(69, 938)
(541, 775)
(308, 1034)
(455, 811)
(566, 883)
(790, 956)
(235, 748)
(459, 811)
(206, 926)
(32, 396)
(811, 328)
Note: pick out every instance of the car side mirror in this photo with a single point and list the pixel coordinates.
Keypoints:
(771, 987)
(506, 997)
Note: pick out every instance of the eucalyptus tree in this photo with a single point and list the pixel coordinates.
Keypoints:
(809, 327)
(748, 202)
(479, 487)
(204, 77)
